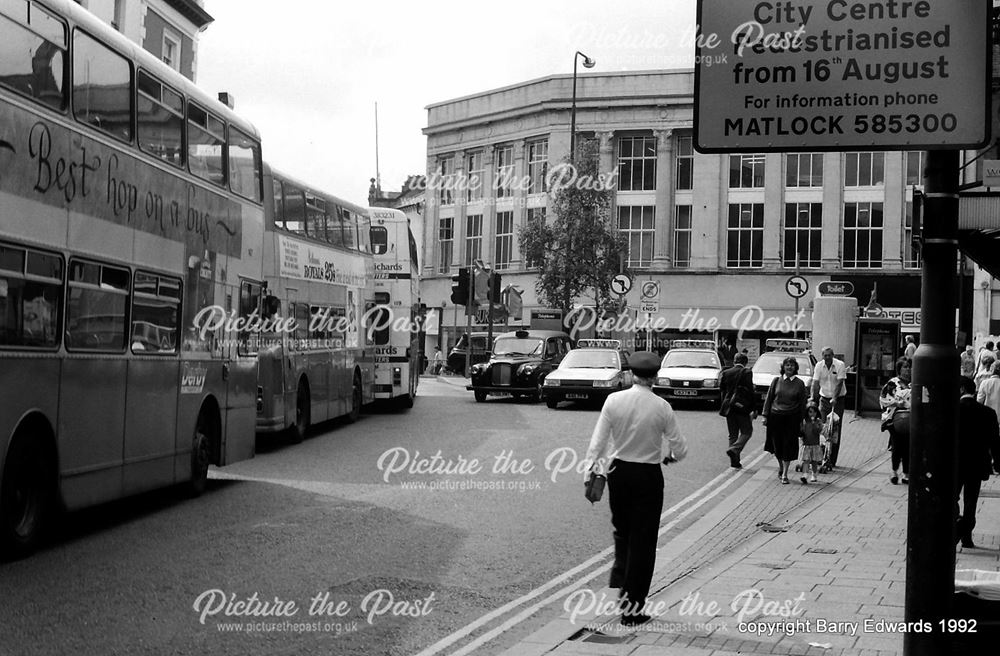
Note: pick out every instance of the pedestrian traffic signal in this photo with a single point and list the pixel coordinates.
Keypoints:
(460, 287)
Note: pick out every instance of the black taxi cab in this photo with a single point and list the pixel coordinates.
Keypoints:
(520, 362)
(590, 372)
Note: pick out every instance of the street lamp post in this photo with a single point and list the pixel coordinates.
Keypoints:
(587, 63)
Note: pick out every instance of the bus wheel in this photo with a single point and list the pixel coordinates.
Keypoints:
(405, 402)
(25, 500)
(303, 413)
(201, 458)
(357, 398)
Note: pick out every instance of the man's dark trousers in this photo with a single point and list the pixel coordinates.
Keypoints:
(635, 494)
(837, 405)
(969, 487)
(740, 429)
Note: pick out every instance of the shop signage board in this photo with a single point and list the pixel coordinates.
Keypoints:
(794, 75)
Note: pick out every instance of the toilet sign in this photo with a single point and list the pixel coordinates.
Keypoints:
(842, 75)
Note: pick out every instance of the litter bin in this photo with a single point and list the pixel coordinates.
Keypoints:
(977, 599)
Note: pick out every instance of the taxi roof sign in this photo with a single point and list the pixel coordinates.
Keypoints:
(599, 343)
(693, 343)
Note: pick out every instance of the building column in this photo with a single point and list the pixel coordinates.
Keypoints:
(664, 198)
(520, 199)
(893, 210)
(432, 222)
(606, 151)
(774, 209)
(833, 211)
(458, 231)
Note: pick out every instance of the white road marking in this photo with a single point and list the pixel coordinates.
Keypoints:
(726, 478)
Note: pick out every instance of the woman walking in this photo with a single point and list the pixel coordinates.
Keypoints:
(784, 410)
(895, 402)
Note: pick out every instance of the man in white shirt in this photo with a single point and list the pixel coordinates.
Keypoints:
(636, 432)
(829, 390)
(911, 347)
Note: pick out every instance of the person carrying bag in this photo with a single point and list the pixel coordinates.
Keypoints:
(635, 435)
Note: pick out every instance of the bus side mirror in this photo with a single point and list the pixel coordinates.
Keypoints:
(272, 305)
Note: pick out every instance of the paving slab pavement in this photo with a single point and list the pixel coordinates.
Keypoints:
(779, 569)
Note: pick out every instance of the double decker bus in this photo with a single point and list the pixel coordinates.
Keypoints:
(395, 320)
(131, 220)
(318, 268)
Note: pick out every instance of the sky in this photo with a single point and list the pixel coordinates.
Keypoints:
(308, 73)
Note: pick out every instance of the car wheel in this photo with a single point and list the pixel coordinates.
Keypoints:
(552, 403)
(537, 395)
(480, 395)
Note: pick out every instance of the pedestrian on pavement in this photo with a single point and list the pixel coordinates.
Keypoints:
(985, 371)
(829, 390)
(911, 347)
(635, 433)
(895, 403)
(812, 453)
(968, 359)
(978, 457)
(739, 406)
(437, 361)
(984, 352)
(988, 391)
(784, 410)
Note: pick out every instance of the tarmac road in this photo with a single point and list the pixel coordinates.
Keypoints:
(381, 537)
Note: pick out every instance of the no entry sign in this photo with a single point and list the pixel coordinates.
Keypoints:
(793, 75)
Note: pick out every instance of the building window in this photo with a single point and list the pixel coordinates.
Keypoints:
(538, 167)
(504, 242)
(474, 171)
(865, 170)
(804, 170)
(862, 235)
(637, 164)
(911, 256)
(446, 237)
(682, 236)
(685, 163)
(745, 237)
(746, 171)
(638, 222)
(915, 168)
(504, 171)
(473, 238)
(171, 53)
(446, 174)
(535, 214)
(803, 235)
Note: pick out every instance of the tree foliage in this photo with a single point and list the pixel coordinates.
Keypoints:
(577, 249)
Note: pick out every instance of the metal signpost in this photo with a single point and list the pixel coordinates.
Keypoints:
(841, 75)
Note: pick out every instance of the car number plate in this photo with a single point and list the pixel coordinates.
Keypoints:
(500, 394)
(686, 392)
(576, 396)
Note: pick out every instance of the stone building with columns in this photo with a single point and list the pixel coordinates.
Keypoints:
(720, 233)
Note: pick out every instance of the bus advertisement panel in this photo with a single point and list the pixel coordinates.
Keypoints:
(395, 321)
(131, 214)
(318, 268)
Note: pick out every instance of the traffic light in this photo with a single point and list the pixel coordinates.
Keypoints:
(460, 287)
(495, 288)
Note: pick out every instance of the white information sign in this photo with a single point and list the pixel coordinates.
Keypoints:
(793, 75)
(991, 173)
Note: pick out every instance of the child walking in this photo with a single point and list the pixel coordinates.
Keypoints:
(812, 452)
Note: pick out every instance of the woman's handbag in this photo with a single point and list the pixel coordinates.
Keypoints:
(594, 487)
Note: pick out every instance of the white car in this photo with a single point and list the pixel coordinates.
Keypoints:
(587, 374)
(689, 373)
(768, 367)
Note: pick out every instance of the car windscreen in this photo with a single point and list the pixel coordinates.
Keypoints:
(518, 346)
(695, 359)
(771, 364)
(590, 360)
